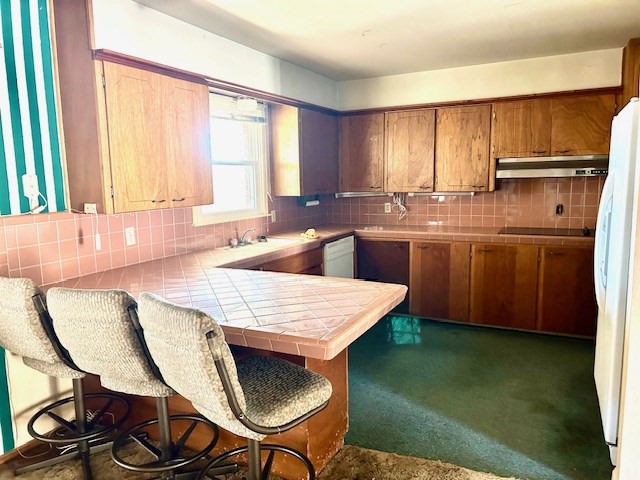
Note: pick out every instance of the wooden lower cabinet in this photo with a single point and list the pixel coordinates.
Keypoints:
(439, 280)
(504, 285)
(384, 261)
(566, 296)
(309, 263)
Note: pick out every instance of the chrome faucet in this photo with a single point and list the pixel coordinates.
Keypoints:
(243, 239)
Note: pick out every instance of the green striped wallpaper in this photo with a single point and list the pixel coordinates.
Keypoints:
(29, 137)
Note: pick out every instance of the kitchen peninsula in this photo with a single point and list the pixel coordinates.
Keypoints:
(309, 320)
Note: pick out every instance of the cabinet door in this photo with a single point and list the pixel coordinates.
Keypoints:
(384, 262)
(137, 140)
(410, 143)
(503, 285)
(581, 125)
(361, 153)
(439, 281)
(319, 152)
(187, 140)
(462, 149)
(285, 150)
(521, 128)
(566, 297)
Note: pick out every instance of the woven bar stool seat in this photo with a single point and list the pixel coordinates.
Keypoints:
(26, 330)
(257, 397)
(119, 356)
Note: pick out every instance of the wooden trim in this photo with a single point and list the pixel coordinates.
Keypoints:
(458, 103)
(121, 58)
(24, 450)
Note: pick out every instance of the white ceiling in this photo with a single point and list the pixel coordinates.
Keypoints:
(352, 39)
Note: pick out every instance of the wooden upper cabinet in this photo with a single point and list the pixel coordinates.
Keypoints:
(566, 296)
(134, 139)
(410, 150)
(439, 280)
(555, 126)
(319, 146)
(462, 149)
(521, 128)
(581, 124)
(362, 153)
(630, 72)
(304, 147)
(504, 285)
(188, 143)
(133, 100)
(158, 140)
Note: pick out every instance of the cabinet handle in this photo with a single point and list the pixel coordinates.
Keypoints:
(556, 254)
(563, 151)
(423, 247)
(158, 201)
(540, 151)
(181, 199)
(478, 186)
(484, 250)
(424, 187)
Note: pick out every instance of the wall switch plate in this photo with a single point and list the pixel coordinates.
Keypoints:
(98, 242)
(387, 207)
(273, 215)
(130, 236)
(30, 188)
(91, 208)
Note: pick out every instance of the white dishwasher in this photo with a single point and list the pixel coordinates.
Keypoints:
(338, 258)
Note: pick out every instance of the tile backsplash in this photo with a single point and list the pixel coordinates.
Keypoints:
(52, 247)
(521, 202)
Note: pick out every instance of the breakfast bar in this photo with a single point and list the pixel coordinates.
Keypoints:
(309, 320)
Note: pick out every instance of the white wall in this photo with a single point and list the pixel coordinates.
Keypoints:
(128, 27)
(577, 71)
(29, 391)
(134, 29)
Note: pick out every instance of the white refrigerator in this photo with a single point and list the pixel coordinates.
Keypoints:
(612, 258)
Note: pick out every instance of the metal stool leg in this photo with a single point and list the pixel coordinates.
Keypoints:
(253, 458)
(81, 425)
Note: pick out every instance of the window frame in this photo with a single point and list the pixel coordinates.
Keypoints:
(262, 182)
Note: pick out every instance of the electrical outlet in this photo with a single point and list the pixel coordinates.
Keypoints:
(91, 208)
(273, 215)
(387, 207)
(130, 236)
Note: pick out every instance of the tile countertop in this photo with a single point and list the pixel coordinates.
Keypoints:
(305, 315)
(310, 316)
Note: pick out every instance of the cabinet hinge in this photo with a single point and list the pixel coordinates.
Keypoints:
(494, 114)
(104, 81)
(111, 191)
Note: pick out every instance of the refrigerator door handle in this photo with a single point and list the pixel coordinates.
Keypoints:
(601, 249)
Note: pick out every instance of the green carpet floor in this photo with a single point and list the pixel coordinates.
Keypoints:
(511, 403)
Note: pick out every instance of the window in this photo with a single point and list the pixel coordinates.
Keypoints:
(239, 155)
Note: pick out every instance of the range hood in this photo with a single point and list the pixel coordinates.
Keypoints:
(566, 166)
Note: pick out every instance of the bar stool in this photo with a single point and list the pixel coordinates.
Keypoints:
(100, 329)
(257, 397)
(27, 331)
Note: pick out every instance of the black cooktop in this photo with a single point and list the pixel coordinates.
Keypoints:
(558, 232)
